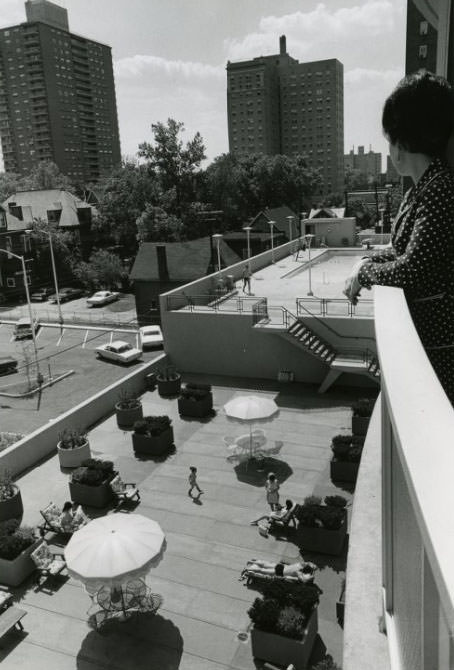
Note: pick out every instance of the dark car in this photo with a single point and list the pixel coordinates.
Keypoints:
(65, 294)
(41, 294)
(7, 365)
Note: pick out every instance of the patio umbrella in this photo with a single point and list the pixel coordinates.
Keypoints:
(249, 410)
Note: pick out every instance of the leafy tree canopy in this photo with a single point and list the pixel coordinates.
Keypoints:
(155, 225)
(45, 175)
(103, 270)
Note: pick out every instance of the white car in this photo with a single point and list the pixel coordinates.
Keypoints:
(118, 351)
(150, 336)
(102, 298)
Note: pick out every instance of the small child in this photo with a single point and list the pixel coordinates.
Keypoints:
(193, 481)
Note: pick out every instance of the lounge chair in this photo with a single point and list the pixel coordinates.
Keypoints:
(48, 563)
(124, 491)
(52, 520)
(250, 575)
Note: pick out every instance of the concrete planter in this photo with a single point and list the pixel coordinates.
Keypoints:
(91, 496)
(127, 417)
(360, 424)
(73, 458)
(196, 408)
(13, 573)
(284, 650)
(12, 508)
(169, 386)
(322, 540)
(343, 471)
(153, 445)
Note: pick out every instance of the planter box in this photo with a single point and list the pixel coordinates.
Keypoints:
(196, 408)
(153, 446)
(283, 650)
(343, 471)
(340, 607)
(12, 508)
(73, 458)
(169, 386)
(13, 573)
(127, 417)
(360, 424)
(92, 496)
(322, 540)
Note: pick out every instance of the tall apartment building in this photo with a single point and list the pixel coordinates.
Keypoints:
(277, 105)
(368, 163)
(430, 43)
(57, 97)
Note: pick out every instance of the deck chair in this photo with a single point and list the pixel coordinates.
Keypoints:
(48, 563)
(52, 514)
(288, 520)
(124, 491)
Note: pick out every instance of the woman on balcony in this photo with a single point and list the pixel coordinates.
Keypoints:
(418, 121)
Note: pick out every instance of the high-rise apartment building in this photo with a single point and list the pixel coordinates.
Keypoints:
(57, 97)
(277, 105)
(368, 163)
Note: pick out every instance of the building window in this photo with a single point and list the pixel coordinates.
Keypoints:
(423, 27)
(423, 51)
(10, 282)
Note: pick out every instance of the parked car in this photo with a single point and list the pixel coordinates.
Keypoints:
(150, 336)
(23, 328)
(65, 294)
(102, 298)
(8, 364)
(42, 294)
(118, 351)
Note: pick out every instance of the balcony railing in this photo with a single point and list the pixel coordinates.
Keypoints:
(334, 307)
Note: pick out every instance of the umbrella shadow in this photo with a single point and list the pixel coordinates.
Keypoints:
(145, 640)
(255, 472)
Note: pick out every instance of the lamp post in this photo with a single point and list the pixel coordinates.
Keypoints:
(290, 226)
(218, 236)
(248, 233)
(30, 314)
(54, 270)
(382, 223)
(309, 239)
(272, 239)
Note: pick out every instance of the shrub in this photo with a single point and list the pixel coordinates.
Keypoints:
(70, 438)
(307, 515)
(284, 608)
(291, 623)
(167, 374)
(152, 425)
(330, 515)
(7, 489)
(195, 391)
(199, 387)
(127, 400)
(354, 455)
(312, 500)
(341, 451)
(363, 407)
(264, 614)
(358, 440)
(14, 539)
(93, 472)
(342, 439)
(7, 439)
(331, 518)
(336, 501)
(293, 594)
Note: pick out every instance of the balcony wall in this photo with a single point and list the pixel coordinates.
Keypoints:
(417, 537)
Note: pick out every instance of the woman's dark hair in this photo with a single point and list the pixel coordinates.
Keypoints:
(419, 114)
(271, 476)
(289, 504)
(279, 569)
(67, 506)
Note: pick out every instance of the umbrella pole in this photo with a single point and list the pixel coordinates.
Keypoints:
(250, 441)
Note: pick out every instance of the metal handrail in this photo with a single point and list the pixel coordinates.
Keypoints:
(324, 304)
(333, 330)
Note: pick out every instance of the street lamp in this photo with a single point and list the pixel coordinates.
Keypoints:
(218, 237)
(54, 271)
(382, 223)
(27, 295)
(309, 239)
(290, 226)
(248, 233)
(272, 239)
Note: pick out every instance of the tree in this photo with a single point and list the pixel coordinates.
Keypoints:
(155, 225)
(103, 270)
(175, 165)
(9, 184)
(45, 175)
(355, 180)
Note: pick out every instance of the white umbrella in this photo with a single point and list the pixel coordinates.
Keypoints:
(250, 409)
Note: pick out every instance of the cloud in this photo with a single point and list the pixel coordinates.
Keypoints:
(143, 65)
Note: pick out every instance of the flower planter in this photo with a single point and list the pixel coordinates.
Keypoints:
(343, 471)
(13, 573)
(12, 508)
(72, 458)
(127, 417)
(196, 408)
(322, 540)
(283, 651)
(92, 496)
(169, 386)
(360, 424)
(153, 445)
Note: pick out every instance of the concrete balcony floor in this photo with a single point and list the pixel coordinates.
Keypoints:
(205, 606)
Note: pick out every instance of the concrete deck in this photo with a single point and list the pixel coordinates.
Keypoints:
(208, 543)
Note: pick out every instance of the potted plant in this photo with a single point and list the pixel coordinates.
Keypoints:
(152, 435)
(362, 411)
(285, 623)
(90, 483)
(11, 506)
(322, 527)
(195, 400)
(128, 410)
(16, 544)
(73, 447)
(347, 450)
(169, 381)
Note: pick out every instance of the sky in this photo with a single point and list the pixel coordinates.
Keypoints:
(170, 56)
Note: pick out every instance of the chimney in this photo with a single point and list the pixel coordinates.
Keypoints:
(282, 45)
(163, 270)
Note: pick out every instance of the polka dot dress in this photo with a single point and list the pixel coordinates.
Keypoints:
(421, 261)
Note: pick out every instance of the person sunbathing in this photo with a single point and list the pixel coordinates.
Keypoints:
(303, 572)
(67, 518)
(283, 515)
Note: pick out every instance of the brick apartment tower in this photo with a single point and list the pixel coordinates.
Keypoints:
(277, 105)
(57, 97)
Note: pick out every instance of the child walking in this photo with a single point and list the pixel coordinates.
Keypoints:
(193, 481)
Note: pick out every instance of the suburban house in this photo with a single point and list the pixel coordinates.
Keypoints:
(331, 227)
(13, 238)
